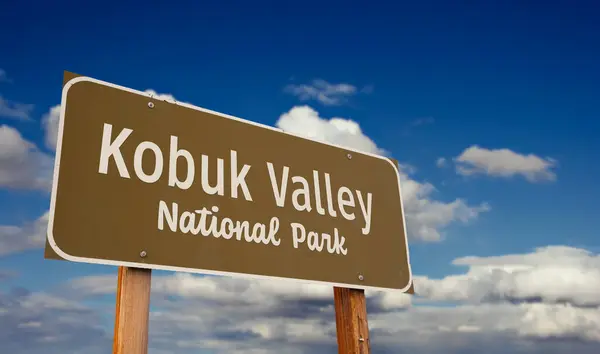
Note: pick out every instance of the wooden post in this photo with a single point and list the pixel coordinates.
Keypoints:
(132, 312)
(351, 321)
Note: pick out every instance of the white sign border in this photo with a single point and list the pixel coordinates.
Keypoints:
(71, 258)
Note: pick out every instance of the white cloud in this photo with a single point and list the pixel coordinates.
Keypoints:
(305, 121)
(504, 163)
(325, 92)
(544, 321)
(499, 328)
(14, 239)
(42, 323)
(238, 315)
(233, 314)
(50, 125)
(462, 329)
(236, 291)
(15, 110)
(22, 164)
(161, 96)
(285, 312)
(441, 162)
(425, 216)
(552, 274)
(38, 322)
(95, 284)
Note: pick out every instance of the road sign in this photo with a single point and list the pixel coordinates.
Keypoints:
(148, 183)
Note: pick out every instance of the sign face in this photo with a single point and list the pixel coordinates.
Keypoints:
(147, 183)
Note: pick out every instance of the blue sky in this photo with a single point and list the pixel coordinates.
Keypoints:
(505, 92)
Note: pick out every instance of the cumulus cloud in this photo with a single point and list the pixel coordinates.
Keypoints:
(305, 121)
(238, 315)
(462, 329)
(38, 322)
(325, 92)
(15, 110)
(565, 321)
(42, 323)
(441, 162)
(14, 239)
(565, 307)
(22, 164)
(232, 314)
(552, 274)
(505, 163)
(50, 125)
(425, 216)
(258, 293)
(499, 328)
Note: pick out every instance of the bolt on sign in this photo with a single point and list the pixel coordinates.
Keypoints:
(148, 183)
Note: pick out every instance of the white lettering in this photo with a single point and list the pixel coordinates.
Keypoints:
(316, 242)
(187, 225)
(313, 242)
(273, 228)
(212, 229)
(339, 243)
(196, 223)
(278, 192)
(171, 217)
(239, 179)
(304, 191)
(320, 208)
(343, 202)
(297, 239)
(365, 211)
(174, 154)
(219, 188)
(113, 149)
(330, 209)
(158, 162)
(227, 228)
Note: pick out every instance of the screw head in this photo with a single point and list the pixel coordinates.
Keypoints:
(143, 254)
(361, 339)
(349, 156)
(151, 104)
(361, 277)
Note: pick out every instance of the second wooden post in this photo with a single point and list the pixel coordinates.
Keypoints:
(351, 321)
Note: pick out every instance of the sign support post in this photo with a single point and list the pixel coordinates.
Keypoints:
(132, 311)
(351, 321)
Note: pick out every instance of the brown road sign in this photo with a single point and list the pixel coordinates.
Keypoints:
(143, 182)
